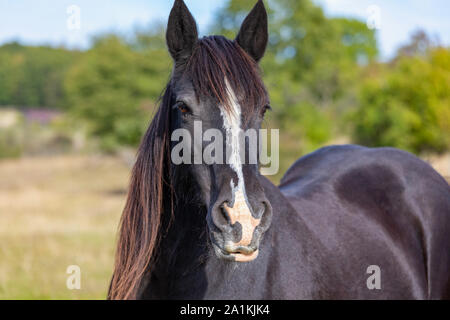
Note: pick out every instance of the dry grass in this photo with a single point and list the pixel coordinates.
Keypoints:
(56, 212)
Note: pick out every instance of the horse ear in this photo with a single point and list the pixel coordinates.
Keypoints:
(254, 33)
(182, 34)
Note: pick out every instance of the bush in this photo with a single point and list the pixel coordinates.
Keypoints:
(11, 143)
(11, 135)
(407, 106)
(110, 87)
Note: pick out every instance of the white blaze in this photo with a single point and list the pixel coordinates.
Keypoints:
(232, 125)
(240, 212)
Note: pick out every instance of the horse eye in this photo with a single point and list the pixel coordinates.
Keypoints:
(183, 108)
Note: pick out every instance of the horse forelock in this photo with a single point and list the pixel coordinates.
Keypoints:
(219, 65)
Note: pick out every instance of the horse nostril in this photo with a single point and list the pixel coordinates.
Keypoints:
(223, 211)
(221, 219)
(262, 209)
(225, 217)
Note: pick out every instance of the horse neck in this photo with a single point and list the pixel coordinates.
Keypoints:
(185, 229)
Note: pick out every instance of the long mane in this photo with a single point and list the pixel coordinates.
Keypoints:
(142, 215)
(215, 64)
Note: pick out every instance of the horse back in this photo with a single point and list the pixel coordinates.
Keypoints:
(380, 207)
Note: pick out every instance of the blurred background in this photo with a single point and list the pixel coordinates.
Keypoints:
(80, 81)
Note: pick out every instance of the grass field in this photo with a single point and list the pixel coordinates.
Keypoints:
(56, 212)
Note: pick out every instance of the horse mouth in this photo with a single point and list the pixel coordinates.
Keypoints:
(240, 257)
(240, 254)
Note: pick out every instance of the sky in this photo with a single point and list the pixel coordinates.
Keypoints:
(49, 22)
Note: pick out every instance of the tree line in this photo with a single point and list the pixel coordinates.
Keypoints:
(323, 74)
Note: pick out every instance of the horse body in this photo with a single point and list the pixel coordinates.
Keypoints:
(382, 207)
(354, 207)
(346, 222)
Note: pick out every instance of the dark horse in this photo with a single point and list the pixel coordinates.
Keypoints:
(347, 222)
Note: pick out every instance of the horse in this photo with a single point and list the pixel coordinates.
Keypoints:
(346, 222)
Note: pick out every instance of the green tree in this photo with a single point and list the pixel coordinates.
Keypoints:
(407, 104)
(114, 86)
(33, 76)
